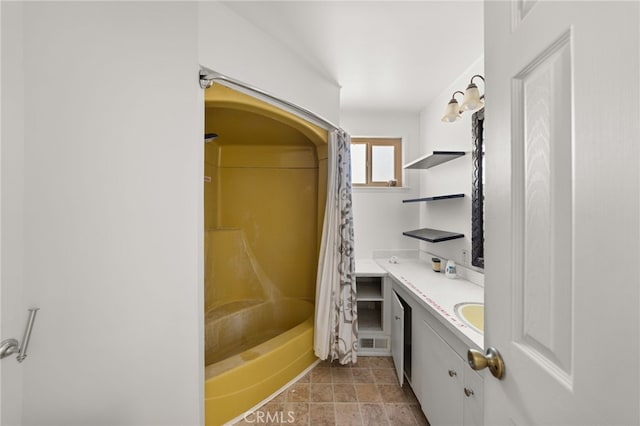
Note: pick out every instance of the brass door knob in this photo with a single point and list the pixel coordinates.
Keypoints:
(492, 359)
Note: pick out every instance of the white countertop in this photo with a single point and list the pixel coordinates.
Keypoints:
(369, 267)
(435, 292)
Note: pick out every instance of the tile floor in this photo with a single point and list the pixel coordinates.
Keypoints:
(366, 393)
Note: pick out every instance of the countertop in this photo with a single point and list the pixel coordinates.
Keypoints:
(434, 291)
(369, 268)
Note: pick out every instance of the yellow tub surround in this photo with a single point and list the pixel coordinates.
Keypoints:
(268, 172)
(265, 193)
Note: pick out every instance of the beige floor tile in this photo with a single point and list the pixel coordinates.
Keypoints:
(373, 414)
(321, 392)
(322, 414)
(363, 362)
(400, 414)
(271, 414)
(341, 375)
(367, 392)
(320, 375)
(305, 379)
(298, 392)
(348, 414)
(336, 364)
(344, 392)
(326, 363)
(384, 375)
(381, 362)
(279, 398)
(409, 396)
(273, 406)
(391, 393)
(362, 375)
(296, 413)
(421, 419)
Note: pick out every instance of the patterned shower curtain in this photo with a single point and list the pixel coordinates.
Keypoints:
(336, 325)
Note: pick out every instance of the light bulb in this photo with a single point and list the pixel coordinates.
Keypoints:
(471, 98)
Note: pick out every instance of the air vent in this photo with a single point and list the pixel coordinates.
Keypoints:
(373, 345)
(367, 343)
(381, 343)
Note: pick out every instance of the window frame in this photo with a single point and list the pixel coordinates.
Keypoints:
(370, 142)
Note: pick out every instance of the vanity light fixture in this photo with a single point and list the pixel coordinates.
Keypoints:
(471, 100)
(452, 112)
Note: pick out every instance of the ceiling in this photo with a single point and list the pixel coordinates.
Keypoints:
(385, 55)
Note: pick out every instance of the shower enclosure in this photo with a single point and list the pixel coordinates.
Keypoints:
(265, 193)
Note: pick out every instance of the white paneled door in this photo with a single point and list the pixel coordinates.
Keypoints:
(562, 211)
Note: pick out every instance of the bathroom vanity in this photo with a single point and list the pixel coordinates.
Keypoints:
(449, 391)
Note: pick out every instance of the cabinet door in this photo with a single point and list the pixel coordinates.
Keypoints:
(397, 336)
(441, 378)
(419, 348)
(473, 401)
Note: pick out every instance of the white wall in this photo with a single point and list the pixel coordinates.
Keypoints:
(112, 209)
(232, 46)
(451, 177)
(380, 216)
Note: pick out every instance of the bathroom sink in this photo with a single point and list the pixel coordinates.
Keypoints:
(472, 314)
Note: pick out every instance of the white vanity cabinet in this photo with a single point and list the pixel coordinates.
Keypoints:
(450, 391)
(441, 377)
(473, 405)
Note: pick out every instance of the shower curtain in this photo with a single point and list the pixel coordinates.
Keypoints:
(336, 326)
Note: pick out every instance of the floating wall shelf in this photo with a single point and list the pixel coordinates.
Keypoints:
(438, 157)
(436, 198)
(433, 235)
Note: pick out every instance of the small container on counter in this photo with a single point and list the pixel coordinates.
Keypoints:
(450, 269)
(435, 264)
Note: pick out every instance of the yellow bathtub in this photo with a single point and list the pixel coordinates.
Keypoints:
(252, 352)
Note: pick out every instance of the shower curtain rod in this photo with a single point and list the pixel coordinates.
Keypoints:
(208, 76)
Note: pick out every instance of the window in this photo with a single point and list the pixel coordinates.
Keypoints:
(376, 161)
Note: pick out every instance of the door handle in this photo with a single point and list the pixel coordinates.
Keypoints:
(11, 346)
(492, 359)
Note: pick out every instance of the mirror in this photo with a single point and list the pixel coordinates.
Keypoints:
(477, 190)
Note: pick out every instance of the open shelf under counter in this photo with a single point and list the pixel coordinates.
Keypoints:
(369, 288)
(433, 235)
(368, 293)
(369, 315)
(431, 160)
(435, 198)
